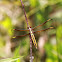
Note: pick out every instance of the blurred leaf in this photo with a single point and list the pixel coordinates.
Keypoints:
(54, 1)
(17, 2)
(2, 43)
(59, 40)
(34, 3)
(50, 55)
(49, 60)
(10, 59)
(39, 16)
(16, 52)
(7, 24)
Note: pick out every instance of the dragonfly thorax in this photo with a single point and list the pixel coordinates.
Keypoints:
(31, 31)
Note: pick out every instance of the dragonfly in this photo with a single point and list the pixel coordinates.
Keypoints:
(31, 32)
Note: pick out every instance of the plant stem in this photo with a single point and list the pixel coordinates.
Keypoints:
(24, 13)
(31, 59)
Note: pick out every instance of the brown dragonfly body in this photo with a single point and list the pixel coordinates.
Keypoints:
(31, 32)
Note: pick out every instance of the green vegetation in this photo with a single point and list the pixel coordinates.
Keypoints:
(38, 11)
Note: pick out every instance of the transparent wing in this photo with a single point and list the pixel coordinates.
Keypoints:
(41, 24)
(21, 30)
(33, 32)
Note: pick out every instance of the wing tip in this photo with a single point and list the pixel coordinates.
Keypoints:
(13, 37)
(51, 27)
(49, 19)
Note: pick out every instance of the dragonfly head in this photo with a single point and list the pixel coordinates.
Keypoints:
(28, 27)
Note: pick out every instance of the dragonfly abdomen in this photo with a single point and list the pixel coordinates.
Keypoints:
(34, 40)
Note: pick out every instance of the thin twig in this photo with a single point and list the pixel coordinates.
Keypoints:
(24, 13)
(31, 59)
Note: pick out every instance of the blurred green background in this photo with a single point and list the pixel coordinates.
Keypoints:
(38, 11)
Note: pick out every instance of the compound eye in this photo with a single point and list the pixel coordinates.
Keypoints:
(27, 27)
(30, 27)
